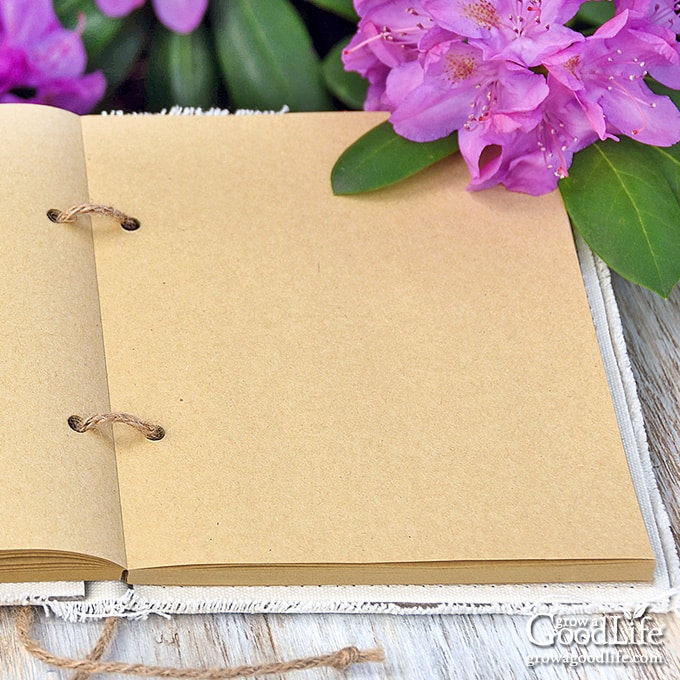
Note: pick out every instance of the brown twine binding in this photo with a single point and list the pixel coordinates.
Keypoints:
(71, 215)
(340, 660)
(100, 646)
(149, 430)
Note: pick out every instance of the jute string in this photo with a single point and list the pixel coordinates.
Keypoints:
(90, 665)
(149, 430)
(100, 646)
(128, 222)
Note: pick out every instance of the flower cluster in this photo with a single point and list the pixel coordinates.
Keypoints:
(524, 91)
(181, 16)
(42, 62)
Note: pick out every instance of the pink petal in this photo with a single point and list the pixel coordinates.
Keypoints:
(401, 81)
(430, 112)
(642, 115)
(24, 22)
(118, 8)
(78, 95)
(58, 55)
(181, 16)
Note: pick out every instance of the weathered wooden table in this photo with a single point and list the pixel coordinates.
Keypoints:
(428, 647)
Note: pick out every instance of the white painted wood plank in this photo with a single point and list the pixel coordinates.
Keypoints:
(416, 647)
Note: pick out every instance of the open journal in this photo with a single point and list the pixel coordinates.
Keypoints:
(401, 387)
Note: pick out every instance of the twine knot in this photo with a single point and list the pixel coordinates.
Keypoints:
(92, 663)
(346, 657)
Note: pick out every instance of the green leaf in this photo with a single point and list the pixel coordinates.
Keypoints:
(381, 157)
(343, 8)
(118, 58)
(266, 56)
(595, 13)
(349, 87)
(181, 70)
(99, 30)
(623, 197)
(667, 159)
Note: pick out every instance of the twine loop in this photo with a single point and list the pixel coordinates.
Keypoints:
(128, 222)
(339, 660)
(150, 430)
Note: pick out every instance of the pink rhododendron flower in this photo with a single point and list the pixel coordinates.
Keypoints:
(462, 90)
(663, 13)
(181, 16)
(524, 91)
(521, 31)
(42, 62)
(657, 23)
(387, 38)
(530, 162)
(609, 85)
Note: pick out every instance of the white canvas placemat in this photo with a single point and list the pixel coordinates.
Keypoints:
(12, 593)
(77, 601)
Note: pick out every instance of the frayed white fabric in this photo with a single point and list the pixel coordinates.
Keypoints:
(29, 593)
(196, 111)
(117, 599)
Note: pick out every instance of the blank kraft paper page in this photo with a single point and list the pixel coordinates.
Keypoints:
(59, 505)
(388, 388)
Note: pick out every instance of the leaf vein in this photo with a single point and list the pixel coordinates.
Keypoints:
(625, 189)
